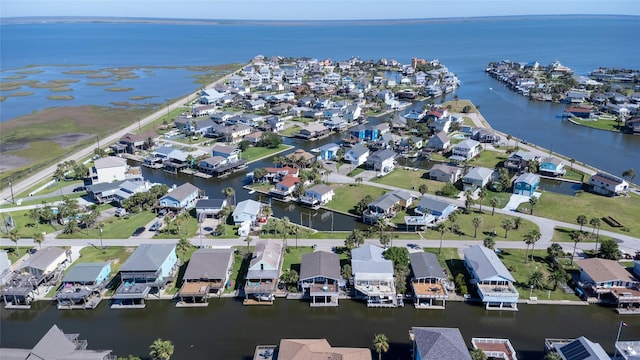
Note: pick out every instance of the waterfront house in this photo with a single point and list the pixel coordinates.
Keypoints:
(477, 178)
(264, 270)
(55, 344)
(551, 166)
(285, 187)
(382, 161)
(519, 160)
(207, 272)
(301, 158)
(149, 268)
(108, 169)
(316, 195)
(135, 142)
(181, 198)
(526, 184)
(439, 142)
(20, 289)
(274, 123)
(335, 121)
(485, 135)
(385, 206)
(230, 153)
(277, 174)
(495, 348)
(212, 164)
(209, 207)
(632, 126)
(328, 151)
(357, 155)
(582, 349)
(579, 111)
(608, 185)
(441, 124)
(492, 279)
(608, 279)
(254, 137)
(445, 173)
(312, 349)
(429, 282)
(47, 262)
(233, 133)
(83, 285)
(313, 131)
(320, 278)
(467, 149)
(436, 343)
(116, 191)
(247, 210)
(373, 276)
(437, 208)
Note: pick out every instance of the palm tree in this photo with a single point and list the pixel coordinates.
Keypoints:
(38, 238)
(517, 222)
(572, 160)
(453, 217)
(507, 224)
(385, 239)
(481, 195)
(380, 344)
(422, 189)
(581, 220)
(556, 276)
(476, 221)
(534, 235)
(532, 202)
(468, 201)
(285, 230)
(380, 225)
(536, 279)
(489, 242)
(441, 228)
(230, 193)
(630, 173)
(359, 180)
(478, 354)
(494, 201)
(183, 246)
(161, 349)
(576, 237)
(248, 240)
(14, 236)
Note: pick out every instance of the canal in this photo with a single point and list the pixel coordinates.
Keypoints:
(228, 330)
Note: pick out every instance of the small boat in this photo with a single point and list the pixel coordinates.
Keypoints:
(252, 192)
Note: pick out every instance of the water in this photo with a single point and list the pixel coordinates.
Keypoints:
(465, 46)
(559, 186)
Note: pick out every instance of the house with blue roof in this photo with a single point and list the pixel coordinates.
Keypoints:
(83, 285)
(182, 197)
(526, 184)
(492, 279)
(373, 276)
(328, 151)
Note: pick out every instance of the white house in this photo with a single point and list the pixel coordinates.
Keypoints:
(477, 177)
(493, 280)
(373, 276)
(108, 169)
(608, 185)
(357, 155)
(319, 194)
(247, 210)
(467, 149)
(382, 160)
(182, 197)
(45, 261)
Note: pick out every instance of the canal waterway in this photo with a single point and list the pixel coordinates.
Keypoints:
(228, 330)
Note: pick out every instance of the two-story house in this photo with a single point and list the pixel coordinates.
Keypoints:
(492, 279)
(182, 197)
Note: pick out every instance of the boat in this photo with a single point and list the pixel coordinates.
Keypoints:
(252, 192)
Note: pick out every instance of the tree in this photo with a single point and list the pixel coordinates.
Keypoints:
(230, 193)
(380, 344)
(489, 242)
(71, 226)
(481, 195)
(609, 250)
(555, 251)
(286, 225)
(478, 354)
(34, 214)
(183, 246)
(423, 188)
(468, 201)
(557, 276)
(441, 228)
(532, 202)
(629, 173)
(536, 279)
(129, 357)
(355, 239)
(453, 217)
(494, 201)
(476, 221)
(385, 239)
(533, 235)
(259, 174)
(161, 349)
(581, 220)
(398, 255)
(14, 236)
(359, 180)
(517, 222)
(507, 224)
(290, 277)
(38, 238)
(552, 356)
(345, 272)
(595, 222)
(576, 236)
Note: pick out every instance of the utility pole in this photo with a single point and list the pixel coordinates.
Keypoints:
(13, 201)
(139, 128)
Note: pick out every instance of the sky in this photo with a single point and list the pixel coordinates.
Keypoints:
(314, 9)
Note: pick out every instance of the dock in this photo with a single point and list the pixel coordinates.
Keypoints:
(252, 302)
(264, 352)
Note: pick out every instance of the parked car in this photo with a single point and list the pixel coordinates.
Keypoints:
(121, 212)
(138, 231)
(155, 226)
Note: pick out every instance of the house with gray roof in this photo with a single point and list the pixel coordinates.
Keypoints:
(386, 206)
(382, 161)
(551, 166)
(519, 160)
(148, 269)
(357, 155)
(247, 210)
(526, 184)
(445, 173)
(83, 286)
(439, 142)
(264, 270)
(46, 261)
(438, 344)
(207, 272)
(437, 208)
(317, 195)
(467, 149)
(56, 345)
(209, 207)
(608, 185)
(429, 281)
(477, 178)
(313, 131)
(582, 349)
(492, 279)
(182, 197)
(320, 278)
(373, 276)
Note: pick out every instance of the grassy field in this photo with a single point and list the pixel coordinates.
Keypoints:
(116, 255)
(567, 208)
(601, 124)
(346, 196)
(561, 234)
(408, 179)
(489, 159)
(114, 227)
(254, 153)
(290, 131)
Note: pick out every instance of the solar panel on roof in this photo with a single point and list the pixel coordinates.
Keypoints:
(574, 351)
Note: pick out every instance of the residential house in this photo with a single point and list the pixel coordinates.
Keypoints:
(116, 191)
(316, 349)
(182, 197)
(275, 123)
(437, 208)
(445, 173)
(485, 135)
(357, 155)
(328, 151)
(478, 178)
(320, 278)
(386, 206)
(492, 279)
(439, 142)
(279, 173)
(55, 344)
(335, 122)
(5, 267)
(551, 166)
(264, 270)
(254, 137)
(382, 161)
(234, 133)
(83, 286)
(208, 272)
(579, 111)
(209, 207)
(301, 158)
(235, 81)
(134, 142)
(285, 187)
(247, 210)
(108, 169)
(211, 96)
(519, 160)
(429, 281)
(608, 278)
(632, 126)
(313, 131)
(212, 164)
(466, 150)
(369, 132)
(46, 262)
(149, 268)
(317, 195)
(582, 349)
(373, 276)
(526, 184)
(608, 185)
(441, 124)
(231, 153)
(436, 343)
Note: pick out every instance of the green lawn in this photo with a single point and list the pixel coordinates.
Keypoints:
(503, 198)
(49, 189)
(346, 196)
(408, 179)
(567, 208)
(290, 131)
(255, 153)
(114, 227)
(489, 159)
(293, 257)
(26, 226)
(601, 124)
(486, 228)
(116, 255)
(28, 201)
(561, 234)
